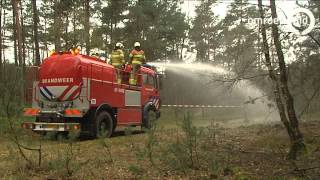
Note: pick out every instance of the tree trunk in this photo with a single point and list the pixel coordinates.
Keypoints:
(14, 36)
(23, 37)
(35, 32)
(57, 26)
(1, 2)
(45, 42)
(87, 25)
(67, 38)
(111, 35)
(2, 42)
(17, 27)
(19, 39)
(297, 142)
(3, 35)
(181, 50)
(280, 97)
(74, 25)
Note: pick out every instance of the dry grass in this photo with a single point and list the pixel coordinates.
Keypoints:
(253, 152)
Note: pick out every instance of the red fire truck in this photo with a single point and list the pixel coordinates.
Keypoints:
(79, 92)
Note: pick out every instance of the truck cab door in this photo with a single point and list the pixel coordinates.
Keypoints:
(149, 87)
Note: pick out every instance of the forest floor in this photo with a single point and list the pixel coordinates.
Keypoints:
(182, 151)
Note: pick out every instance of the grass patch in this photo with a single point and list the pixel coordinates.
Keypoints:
(176, 148)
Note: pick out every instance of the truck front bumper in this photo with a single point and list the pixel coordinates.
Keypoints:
(42, 126)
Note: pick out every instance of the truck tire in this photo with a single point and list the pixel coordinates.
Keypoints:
(104, 125)
(151, 117)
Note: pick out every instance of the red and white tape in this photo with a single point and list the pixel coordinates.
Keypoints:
(198, 106)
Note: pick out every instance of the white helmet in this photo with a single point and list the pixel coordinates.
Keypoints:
(136, 44)
(118, 44)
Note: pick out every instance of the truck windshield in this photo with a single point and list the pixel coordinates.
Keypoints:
(149, 80)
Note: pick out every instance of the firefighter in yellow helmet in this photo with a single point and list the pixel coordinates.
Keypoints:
(137, 58)
(117, 60)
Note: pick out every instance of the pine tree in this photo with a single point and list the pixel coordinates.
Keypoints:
(239, 39)
(203, 30)
(159, 25)
(112, 15)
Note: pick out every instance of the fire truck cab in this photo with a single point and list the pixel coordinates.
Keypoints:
(79, 92)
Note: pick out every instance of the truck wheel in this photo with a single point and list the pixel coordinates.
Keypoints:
(150, 119)
(104, 125)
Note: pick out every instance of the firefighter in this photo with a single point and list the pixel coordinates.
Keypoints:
(137, 58)
(117, 60)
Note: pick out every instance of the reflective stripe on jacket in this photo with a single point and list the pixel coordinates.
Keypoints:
(117, 57)
(137, 57)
